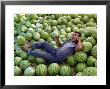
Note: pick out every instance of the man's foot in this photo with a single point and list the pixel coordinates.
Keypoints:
(29, 44)
(27, 47)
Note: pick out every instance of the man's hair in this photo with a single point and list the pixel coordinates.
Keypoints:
(78, 33)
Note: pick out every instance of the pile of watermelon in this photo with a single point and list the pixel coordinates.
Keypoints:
(44, 27)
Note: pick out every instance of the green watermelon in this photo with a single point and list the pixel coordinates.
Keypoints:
(29, 71)
(94, 34)
(24, 28)
(36, 36)
(65, 70)
(79, 26)
(64, 39)
(38, 25)
(17, 60)
(33, 21)
(79, 74)
(39, 30)
(24, 64)
(41, 40)
(69, 36)
(28, 36)
(53, 69)
(91, 40)
(85, 18)
(64, 21)
(53, 23)
(87, 46)
(54, 28)
(83, 37)
(62, 36)
(23, 55)
(41, 70)
(76, 20)
(69, 24)
(68, 29)
(21, 40)
(74, 29)
(49, 39)
(40, 61)
(80, 56)
(91, 61)
(90, 31)
(41, 19)
(27, 24)
(33, 16)
(17, 71)
(18, 52)
(31, 30)
(54, 34)
(94, 51)
(31, 58)
(90, 71)
(53, 43)
(90, 24)
(68, 18)
(48, 29)
(71, 61)
(33, 26)
(44, 35)
(59, 21)
(81, 66)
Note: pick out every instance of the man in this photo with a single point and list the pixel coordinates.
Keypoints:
(51, 54)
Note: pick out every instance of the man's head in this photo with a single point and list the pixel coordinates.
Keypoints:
(76, 35)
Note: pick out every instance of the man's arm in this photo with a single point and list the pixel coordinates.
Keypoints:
(79, 46)
(58, 41)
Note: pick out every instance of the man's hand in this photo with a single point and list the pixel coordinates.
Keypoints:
(79, 45)
(56, 39)
(78, 39)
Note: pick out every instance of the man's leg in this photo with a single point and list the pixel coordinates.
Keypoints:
(41, 54)
(43, 45)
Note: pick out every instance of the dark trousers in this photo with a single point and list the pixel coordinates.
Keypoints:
(49, 53)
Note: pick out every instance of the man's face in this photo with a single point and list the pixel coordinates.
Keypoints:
(75, 36)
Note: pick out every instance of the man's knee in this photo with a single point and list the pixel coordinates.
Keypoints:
(45, 43)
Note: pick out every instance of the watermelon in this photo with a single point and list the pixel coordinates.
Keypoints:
(80, 56)
(94, 51)
(91, 40)
(24, 64)
(65, 70)
(41, 70)
(71, 61)
(28, 36)
(36, 36)
(21, 40)
(44, 35)
(81, 66)
(87, 46)
(17, 60)
(17, 71)
(53, 69)
(29, 71)
(90, 71)
(40, 61)
(91, 61)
